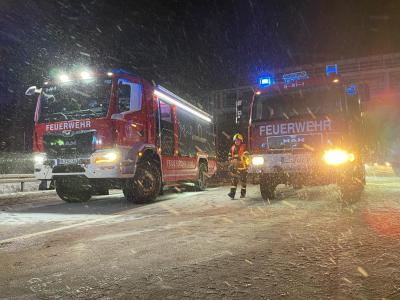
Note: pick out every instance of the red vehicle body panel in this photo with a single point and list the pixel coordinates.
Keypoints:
(134, 128)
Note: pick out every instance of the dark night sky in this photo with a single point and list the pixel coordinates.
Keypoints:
(190, 45)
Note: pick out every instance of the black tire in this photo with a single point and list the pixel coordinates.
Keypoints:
(128, 193)
(161, 192)
(201, 183)
(267, 188)
(145, 185)
(71, 190)
(352, 187)
(351, 193)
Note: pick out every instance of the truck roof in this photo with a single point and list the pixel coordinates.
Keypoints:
(172, 98)
(300, 84)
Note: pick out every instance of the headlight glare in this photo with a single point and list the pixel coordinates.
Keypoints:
(335, 157)
(86, 74)
(257, 160)
(39, 158)
(106, 157)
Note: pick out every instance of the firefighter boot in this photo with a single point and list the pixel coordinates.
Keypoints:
(242, 193)
(232, 193)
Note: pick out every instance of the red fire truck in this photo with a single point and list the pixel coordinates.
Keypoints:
(306, 131)
(94, 132)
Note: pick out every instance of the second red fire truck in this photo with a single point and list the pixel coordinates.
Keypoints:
(308, 132)
(94, 132)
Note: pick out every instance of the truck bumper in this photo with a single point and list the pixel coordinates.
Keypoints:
(86, 166)
(302, 168)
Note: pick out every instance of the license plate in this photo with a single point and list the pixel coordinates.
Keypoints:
(67, 161)
(297, 160)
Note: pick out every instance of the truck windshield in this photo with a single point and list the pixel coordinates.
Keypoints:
(75, 100)
(309, 102)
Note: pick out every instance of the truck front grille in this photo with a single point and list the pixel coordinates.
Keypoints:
(72, 145)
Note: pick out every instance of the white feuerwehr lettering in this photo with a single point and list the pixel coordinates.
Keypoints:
(295, 127)
(68, 125)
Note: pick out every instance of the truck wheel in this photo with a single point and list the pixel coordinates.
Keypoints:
(352, 188)
(201, 183)
(145, 185)
(72, 191)
(267, 188)
(351, 192)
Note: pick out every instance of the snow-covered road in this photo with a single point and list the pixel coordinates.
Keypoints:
(202, 245)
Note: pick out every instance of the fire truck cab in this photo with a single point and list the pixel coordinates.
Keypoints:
(306, 131)
(94, 132)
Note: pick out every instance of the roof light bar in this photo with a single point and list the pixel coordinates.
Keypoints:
(266, 80)
(178, 102)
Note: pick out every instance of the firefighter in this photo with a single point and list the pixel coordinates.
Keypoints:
(238, 164)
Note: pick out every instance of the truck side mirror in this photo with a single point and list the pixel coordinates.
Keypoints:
(117, 116)
(32, 90)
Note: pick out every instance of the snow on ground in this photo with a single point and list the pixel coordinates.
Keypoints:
(304, 245)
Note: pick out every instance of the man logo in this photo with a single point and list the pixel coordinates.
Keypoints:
(70, 143)
(66, 132)
(293, 140)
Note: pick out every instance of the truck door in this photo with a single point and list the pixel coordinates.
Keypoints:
(189, 132)
(131, 123)
(166, 139)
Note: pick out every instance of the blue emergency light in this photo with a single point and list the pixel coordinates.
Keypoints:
(352, 90)
(265, 81)
(120, 71)
(331, 69)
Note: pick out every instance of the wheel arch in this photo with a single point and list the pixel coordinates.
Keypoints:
(149, 154)
(141, 152)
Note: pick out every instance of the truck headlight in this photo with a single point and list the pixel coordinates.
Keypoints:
(257, 160)
(335, 157)
(105, 157)
(39, 158)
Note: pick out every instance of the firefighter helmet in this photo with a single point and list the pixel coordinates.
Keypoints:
(238, 136)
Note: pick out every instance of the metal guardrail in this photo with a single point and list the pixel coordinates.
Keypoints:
(17, 178)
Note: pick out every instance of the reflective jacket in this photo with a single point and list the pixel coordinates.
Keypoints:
(239, 156)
